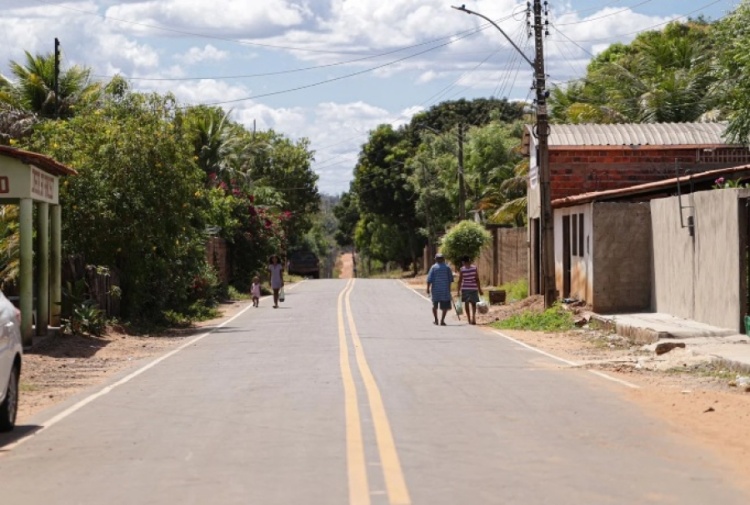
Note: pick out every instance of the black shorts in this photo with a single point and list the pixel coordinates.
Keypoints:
(442, 304)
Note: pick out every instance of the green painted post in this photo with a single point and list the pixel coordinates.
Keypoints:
(56, 266)
(42, 299)
(26, 302)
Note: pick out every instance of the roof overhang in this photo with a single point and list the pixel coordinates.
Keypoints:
(40, 161)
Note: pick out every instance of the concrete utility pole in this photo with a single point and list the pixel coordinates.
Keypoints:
(461, 183)
(542, 134)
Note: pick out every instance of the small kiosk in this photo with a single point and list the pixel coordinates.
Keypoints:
(29, 179)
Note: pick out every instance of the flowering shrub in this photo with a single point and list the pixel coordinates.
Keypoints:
(722, 183)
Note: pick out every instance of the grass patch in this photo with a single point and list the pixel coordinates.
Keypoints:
(706, 370)
(515, 291)
(235, 294)
(28, 387)
(553, 319)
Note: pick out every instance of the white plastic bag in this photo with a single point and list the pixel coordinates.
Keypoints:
(483, 307)
(459, 307)
(281, 294)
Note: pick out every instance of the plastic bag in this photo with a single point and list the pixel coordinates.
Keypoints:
(281, 294)
(459, 307)
(483, 307)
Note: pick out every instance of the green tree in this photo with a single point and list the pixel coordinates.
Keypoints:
(347, 214)
(34, 87)
(662, 76)
(464, 239)
(138, 204)
(733, 71)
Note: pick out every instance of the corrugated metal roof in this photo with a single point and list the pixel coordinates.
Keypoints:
(650, 134)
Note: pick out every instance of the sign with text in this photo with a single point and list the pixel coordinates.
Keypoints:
(18, 181)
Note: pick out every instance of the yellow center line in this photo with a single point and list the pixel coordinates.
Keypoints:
(359, 492)
(398, 494)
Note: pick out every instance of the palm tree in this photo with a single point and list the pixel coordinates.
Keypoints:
(34, 88)
(505, 200)
(661, 77)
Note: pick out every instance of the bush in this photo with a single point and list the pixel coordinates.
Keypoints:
(86, 319)
(465, 239)
(515, 291)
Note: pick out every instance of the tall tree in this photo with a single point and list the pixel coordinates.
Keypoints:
(34, 87)
(733, 71)
(138, 204)
(662, 76)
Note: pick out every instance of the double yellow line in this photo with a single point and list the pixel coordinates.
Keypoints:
(359, 489)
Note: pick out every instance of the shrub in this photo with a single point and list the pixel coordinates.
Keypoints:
(86, 319)
(516, 290)
(465, 239)
(553, 319)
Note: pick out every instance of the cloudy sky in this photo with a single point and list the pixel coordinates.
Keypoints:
(328, 70)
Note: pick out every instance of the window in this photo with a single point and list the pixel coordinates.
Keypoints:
(574, 241)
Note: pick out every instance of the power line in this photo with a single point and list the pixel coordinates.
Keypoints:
(642, 30)
(339, 78)
(629, 8)
(304, 69)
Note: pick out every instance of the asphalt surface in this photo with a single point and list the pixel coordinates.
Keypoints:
(348, 394)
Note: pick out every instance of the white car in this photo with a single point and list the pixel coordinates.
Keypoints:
(10, 362)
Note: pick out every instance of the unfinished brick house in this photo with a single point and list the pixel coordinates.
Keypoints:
(594, 158)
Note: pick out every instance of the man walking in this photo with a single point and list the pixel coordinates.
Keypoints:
(439, 281)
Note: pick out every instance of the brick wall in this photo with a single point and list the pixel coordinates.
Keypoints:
(576, 171)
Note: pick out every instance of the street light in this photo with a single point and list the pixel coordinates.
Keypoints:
(542, 132)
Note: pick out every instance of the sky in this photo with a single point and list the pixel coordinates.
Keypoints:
(328, 70)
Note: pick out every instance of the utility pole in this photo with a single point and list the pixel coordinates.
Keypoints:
(542, 134)
(57, 78)
(461, 183)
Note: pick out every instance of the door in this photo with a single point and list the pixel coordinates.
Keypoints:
(566, 257)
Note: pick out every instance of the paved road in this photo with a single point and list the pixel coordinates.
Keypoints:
(348, 395)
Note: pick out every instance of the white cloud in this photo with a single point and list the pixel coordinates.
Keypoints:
(228, 18)
(196, 55)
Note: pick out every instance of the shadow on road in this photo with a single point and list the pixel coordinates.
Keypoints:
(18, 433)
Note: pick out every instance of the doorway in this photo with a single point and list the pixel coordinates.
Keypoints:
(566, 256)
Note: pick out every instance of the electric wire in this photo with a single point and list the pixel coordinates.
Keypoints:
(649, 28)
(626, 9)
(312, 67)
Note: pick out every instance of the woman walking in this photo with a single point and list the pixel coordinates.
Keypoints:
(469, 288)
(276, 269)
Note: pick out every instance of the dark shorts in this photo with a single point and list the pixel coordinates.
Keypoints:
(470, 295)
(443, 304)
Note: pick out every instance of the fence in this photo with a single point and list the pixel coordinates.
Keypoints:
(506, 258)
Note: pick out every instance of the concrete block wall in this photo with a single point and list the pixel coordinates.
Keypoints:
(622, 257)
(698, 277)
